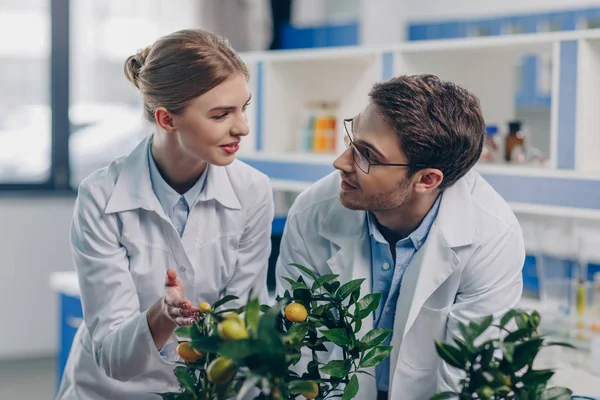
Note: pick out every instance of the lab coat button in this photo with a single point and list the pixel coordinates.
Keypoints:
(182, 268)
(386, 266)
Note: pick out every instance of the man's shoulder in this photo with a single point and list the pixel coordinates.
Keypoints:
(492, 213)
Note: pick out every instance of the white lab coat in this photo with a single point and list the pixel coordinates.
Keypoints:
(123, 243)
(470, 266)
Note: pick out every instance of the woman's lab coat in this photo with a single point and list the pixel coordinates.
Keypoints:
(123, 243)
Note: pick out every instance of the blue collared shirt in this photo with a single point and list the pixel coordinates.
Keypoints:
(175, 205)
(387, 276)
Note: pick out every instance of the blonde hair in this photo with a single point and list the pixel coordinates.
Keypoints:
(181, 66)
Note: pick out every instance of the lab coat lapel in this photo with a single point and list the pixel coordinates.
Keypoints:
(454, 227)
(429, 268)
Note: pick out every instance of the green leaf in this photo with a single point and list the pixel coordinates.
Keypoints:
(252, 311)
(224, 300)
(206, 344)
(525, 353)
(331, 287)
(170, 396)
(444, 395)
(239, 349)
(347, 288)
(451, 355)
(357, 325)
(300, 386)
(299, 285)
(271, 347)
(337, 336)
(324, 279)
(561, 344)
(184, 332)
(476, 328)
(523, 321)
(375, 337)
(508, 316)
(264, 308)
(367, 305)
(466, 333)
(186, 378)
(484, 324)
(337, 368)
(556, 393)
(517, 335)
(303, 295)
(351, 390)
(290, 281)
(298, 331)
(464, 348)
(306, 271)
(375, 356)
(486, 355)
(537, 378)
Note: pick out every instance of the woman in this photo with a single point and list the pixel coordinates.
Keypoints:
(176, 222)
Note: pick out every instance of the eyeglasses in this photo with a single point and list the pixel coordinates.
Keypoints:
(361, 161)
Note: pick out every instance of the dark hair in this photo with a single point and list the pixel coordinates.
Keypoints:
(179, 67)
(439, 123)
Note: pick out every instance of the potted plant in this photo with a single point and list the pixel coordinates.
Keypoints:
(500, 366)
(229, 356)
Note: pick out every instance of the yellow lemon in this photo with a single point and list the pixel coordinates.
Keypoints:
(313, 393)
(296, 312)
(221, 370)
(187, 352)
(231, 329)
(204, 307)
(235, 317)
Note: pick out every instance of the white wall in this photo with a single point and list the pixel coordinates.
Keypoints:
(34, 242)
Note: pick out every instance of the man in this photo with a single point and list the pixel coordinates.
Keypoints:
(405, 211)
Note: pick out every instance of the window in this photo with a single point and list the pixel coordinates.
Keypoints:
(25, 114)
(105, 109)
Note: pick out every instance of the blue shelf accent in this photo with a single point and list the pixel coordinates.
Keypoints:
(547, 191)
(70, 314)
(319, 36)
(567, 105)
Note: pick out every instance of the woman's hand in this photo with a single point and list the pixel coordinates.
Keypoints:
(175, 306)
(170, 311)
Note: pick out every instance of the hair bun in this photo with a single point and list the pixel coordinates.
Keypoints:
(134, 64)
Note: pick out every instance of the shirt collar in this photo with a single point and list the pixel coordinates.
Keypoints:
(167, 196)
(418, 236)
(133, 188)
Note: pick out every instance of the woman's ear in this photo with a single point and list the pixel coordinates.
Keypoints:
(165, 120)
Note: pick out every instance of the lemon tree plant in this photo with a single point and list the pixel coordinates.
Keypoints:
(501, 367)
(255, 351)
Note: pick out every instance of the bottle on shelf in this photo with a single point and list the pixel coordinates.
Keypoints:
(514, 150)
(306, 132)
(491, 147)
(319, 132)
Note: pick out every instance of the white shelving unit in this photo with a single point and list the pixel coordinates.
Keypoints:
(283, 82)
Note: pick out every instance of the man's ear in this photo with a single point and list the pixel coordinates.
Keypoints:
(428, 179)
(165, 120)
